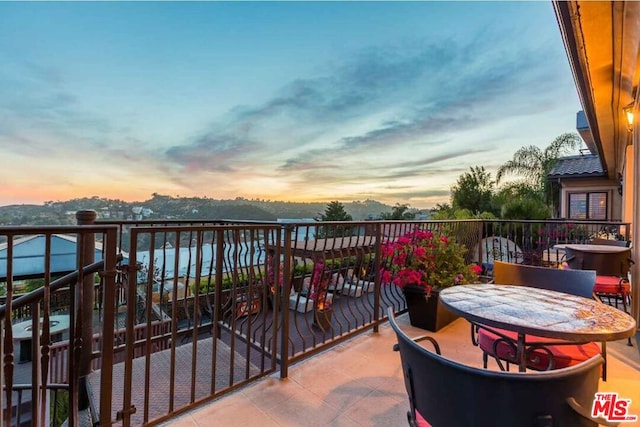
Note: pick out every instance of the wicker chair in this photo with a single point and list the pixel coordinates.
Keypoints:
(612, 269)
(443, 392)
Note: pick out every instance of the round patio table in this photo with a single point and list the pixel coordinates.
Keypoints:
(539, 312)
(22, 332)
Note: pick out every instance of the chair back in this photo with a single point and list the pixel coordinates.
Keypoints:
(609, 242)
(604, 263)
(448, 393)
(574, 282)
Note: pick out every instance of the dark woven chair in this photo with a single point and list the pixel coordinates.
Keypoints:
(445, 393)
(612, 269)
(610, 242)
(575, 282)
(541, 353)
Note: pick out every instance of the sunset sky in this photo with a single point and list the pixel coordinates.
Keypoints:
(274, 100)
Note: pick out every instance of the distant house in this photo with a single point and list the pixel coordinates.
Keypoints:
(586, 192)
(140, 212)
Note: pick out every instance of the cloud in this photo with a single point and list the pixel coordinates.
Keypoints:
(390, 117)
(402, 97)
(37, 106)
(212, 152)
(450, 155)
(420, 194)
(44, 73)
(320, 166)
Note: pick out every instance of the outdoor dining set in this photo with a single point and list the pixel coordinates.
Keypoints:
(551, 324)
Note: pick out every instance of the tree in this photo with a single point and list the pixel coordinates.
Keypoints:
(33, 284)
(474, 191)
(398, 212)
(335, 212)
(519, 200)
(445, 211)
(525, 209)
(442, 211)
(534, 164)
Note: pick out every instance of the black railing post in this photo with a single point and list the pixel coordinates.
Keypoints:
(85, 300)
(38, 395)
(377, 287)
(108, 325)
(286, 287)
(480, 238)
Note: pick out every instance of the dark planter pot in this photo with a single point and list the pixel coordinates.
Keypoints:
(297, 282)
(245, 304)
(322, 318)
(427, 313)
(272, 300)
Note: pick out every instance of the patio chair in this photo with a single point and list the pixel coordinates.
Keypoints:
(612, 269)
(443, 392)
(542, 353)
(610, 242)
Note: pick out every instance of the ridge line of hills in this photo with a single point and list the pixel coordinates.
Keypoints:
(168, 207)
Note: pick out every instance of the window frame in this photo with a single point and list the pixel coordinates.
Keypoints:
(587, 195)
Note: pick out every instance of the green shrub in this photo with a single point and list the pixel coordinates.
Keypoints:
(208, 285)
(303, 268)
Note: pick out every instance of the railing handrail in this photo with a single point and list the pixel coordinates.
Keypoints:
(49, 229)
(160, 221)
(386, 221)
(555, 220)
(55, 285)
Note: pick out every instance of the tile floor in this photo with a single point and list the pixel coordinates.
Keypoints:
(359, 383)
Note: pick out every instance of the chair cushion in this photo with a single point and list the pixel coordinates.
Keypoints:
(611, 285)
(420, 421)
(563, 355)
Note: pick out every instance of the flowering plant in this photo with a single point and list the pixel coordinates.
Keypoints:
(318, 287)
(271, 274)
(428, 259)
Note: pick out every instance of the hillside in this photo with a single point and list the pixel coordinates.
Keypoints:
(168, 207)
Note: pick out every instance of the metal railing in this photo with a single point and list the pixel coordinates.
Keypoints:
(29, 381)
(195, 310)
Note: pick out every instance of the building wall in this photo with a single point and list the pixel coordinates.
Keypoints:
(627, 186)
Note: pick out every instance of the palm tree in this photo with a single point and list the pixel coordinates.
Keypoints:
(534, 164)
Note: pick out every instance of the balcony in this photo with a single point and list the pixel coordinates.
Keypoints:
(182, 314)
(360, 383)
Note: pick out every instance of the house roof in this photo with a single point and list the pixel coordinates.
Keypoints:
(580, 166)
(164, 260)
(28, 258)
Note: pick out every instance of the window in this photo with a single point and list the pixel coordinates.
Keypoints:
(588, 206)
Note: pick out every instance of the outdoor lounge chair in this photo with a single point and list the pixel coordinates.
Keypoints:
(445, 393)
(542, 353)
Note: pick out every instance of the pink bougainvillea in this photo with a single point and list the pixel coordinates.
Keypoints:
(428, 259)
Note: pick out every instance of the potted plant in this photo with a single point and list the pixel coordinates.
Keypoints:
(322, 300)
(300, 271)
(240, 284)
(421, 263)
